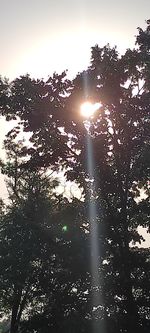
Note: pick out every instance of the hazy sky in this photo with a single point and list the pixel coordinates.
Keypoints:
(42, 36)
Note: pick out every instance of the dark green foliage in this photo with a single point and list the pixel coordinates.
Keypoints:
(40, 264)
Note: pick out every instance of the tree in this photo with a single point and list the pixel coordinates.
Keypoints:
(39, 258)
(24, 245)
(120, 139)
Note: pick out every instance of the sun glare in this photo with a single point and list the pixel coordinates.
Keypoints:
(88, 109)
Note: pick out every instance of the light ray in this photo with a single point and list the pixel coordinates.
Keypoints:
(94, 239)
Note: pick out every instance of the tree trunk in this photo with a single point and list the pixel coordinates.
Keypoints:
(15, 308)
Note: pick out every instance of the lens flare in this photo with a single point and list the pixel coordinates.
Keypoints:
(96, 275)
(64, 228)
(88, 109)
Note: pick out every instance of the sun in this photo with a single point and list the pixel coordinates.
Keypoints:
(88, 109)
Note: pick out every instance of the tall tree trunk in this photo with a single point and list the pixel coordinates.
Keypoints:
(15, 308)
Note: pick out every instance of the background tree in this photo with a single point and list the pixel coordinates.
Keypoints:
(43, 259)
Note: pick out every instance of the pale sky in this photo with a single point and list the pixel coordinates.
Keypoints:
(42, 36)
